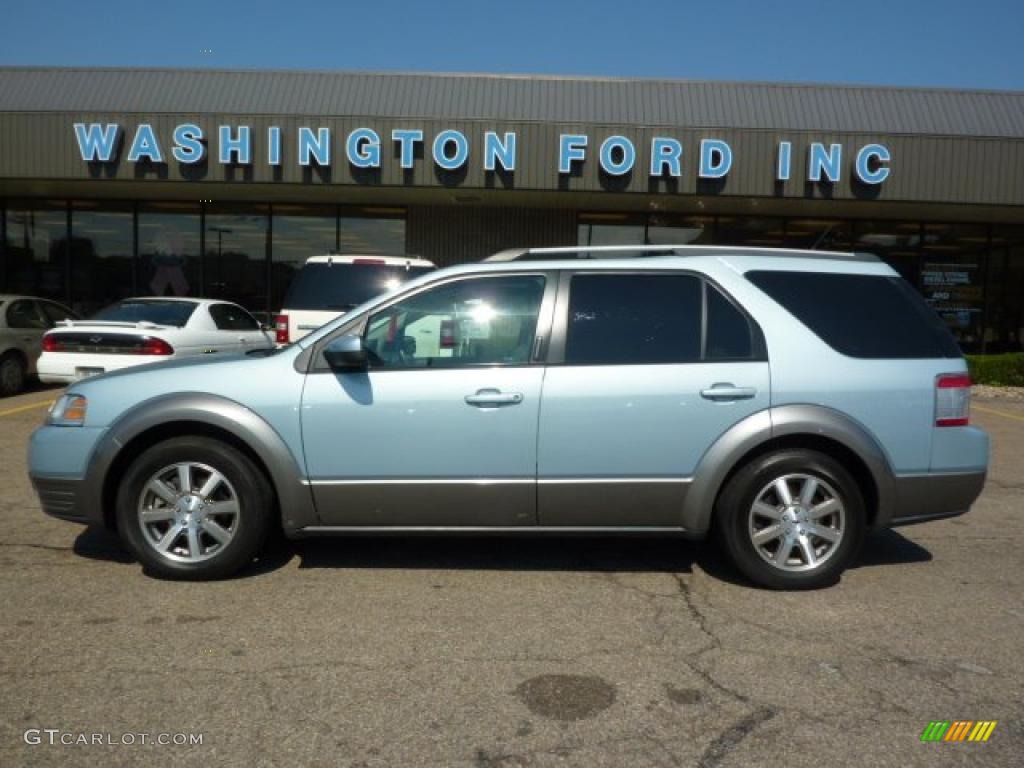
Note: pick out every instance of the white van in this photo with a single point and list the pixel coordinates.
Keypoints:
(329, 286)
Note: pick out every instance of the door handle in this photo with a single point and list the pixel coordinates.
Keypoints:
(485, 398)
(722, 392)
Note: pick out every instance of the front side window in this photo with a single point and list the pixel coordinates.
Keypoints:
(477, 321)
(624, 319)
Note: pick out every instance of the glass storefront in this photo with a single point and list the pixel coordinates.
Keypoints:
(235, 255)
(299, 231)
(102, 254)
(35, 257)
(170, 250)
(88, 254)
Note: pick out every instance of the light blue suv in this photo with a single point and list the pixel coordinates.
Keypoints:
(788, 401)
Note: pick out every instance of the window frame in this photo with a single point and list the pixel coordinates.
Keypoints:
(316, 363)
(560, 326)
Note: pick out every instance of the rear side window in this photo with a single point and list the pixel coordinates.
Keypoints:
(730, 336)
(633, 319)
(867, 316)
(228, 317)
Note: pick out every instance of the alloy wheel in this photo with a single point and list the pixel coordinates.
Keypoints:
(188, 512)
(797, 522)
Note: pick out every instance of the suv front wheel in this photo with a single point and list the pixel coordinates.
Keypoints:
(793, 519)
(194, 508)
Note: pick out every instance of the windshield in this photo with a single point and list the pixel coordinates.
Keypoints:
(174, 313)
(344, 286)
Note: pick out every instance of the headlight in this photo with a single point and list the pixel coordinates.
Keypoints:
(67, 411)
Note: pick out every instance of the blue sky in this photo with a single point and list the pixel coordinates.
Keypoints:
(975, 44)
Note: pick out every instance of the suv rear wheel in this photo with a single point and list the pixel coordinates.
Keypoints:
(194, 508)
(793, 519)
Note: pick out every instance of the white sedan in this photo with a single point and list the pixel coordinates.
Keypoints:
(147, 330)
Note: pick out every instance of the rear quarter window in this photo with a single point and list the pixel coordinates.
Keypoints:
(866, 316)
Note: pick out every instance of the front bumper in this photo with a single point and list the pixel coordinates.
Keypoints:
(933, 496)
(59, 466)
(61, 497)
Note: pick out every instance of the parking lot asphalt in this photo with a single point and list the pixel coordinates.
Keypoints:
(488, 652)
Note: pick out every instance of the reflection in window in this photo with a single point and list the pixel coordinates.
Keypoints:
(36, 250)
(480, 321)
(378, 231)
(235, 266)
(169, 257)
(299, 232)
(102, 250)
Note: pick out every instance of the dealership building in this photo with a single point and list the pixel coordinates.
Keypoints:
(121, 182)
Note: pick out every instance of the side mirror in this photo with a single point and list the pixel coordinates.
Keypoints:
(346, 354)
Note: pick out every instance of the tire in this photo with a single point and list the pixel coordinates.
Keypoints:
(823, 535)
(12, 375)
(221, 524)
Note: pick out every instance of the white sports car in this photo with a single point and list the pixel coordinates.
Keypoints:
(147, 330)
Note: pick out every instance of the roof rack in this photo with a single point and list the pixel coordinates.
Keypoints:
(652, 251)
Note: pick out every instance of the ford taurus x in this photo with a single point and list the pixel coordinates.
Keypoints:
(789, 402)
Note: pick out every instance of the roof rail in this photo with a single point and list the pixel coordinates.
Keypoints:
(651, 251)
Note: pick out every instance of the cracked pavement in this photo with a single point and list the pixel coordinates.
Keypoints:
(486, 652)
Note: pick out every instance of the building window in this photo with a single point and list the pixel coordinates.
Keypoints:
(36, 249)
(819, 234)
(102, 254)
(755, 231)
(235, 262)
(611, 229)
(672, 229)
(169, 252)
(372, 230)
(1004, 309)
(299, 231)
(952, 272)
(898, 243)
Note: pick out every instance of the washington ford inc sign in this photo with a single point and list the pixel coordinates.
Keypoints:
(449, 150)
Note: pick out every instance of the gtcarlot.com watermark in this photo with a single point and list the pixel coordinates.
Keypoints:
(58, 736)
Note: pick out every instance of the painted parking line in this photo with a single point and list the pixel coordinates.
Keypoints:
(1004, 414)
(21, 409)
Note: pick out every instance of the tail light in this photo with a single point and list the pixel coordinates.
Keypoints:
(50, 344)
(156, 347)
(447, 334)
(281, 329)
(952, 400)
